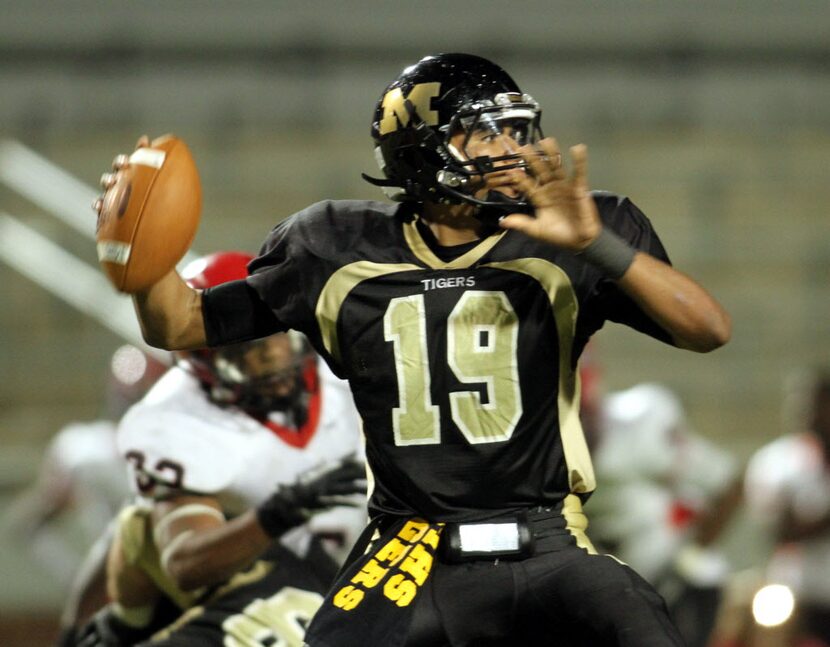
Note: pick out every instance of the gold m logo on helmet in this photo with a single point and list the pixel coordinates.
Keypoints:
(394, 110)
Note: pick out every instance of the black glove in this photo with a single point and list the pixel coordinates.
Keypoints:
(105, 629)
(292, 505)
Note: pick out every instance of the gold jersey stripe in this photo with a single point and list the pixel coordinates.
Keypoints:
(427, 256)
(565, 307)
(336, 290)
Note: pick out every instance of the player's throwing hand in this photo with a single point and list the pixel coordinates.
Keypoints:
(566, 214)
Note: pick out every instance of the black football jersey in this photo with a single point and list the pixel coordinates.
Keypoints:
(269, 603)
(464, 371)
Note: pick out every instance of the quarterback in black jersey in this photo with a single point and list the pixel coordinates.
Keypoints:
(458, 317)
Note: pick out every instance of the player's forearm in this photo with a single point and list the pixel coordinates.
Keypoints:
(170, 314)
(677, 303)
(212, 555)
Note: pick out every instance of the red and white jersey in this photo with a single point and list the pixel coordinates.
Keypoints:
(177, 437)
(654, 476)
(790, 476)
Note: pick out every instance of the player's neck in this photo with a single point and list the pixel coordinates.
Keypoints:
(452, 224)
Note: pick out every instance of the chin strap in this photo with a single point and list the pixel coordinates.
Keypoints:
(499, 205)
(493, 207)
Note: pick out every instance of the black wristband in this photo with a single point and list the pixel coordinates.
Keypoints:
(609, 253)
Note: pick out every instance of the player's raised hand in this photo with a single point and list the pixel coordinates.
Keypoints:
(565, 212)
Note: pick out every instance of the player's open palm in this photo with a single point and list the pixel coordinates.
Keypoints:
(566, 214)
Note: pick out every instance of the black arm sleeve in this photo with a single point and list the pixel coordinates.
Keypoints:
(628, 222)
(234, 312)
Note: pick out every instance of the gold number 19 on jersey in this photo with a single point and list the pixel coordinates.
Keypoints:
(482, 338)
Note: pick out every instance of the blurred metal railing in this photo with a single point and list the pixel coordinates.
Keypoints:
(41, 260)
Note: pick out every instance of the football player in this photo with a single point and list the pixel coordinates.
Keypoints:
(667, 494)
(238, 455)
(458, 316)
(787, 488)
(80, 486)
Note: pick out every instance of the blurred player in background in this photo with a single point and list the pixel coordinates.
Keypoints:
(237, 456)
(787, 488)
(665, 496)
(81, 485)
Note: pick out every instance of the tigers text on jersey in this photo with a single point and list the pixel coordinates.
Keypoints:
(464, 371)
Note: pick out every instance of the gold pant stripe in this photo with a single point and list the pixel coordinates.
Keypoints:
(577, 522)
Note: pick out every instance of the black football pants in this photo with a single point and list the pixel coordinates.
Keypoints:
(563, 596)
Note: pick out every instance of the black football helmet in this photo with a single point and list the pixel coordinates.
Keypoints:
(433, 100)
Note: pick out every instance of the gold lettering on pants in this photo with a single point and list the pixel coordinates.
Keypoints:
(370, 574)
(413, 531)
(348, 598)
(392, 552)
(400, 590)
(404, 562)
(431, 538)
(418, 563)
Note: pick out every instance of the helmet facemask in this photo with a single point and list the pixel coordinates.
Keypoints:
(508, 122)
(417, 122)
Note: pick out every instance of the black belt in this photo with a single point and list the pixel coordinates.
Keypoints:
(516, 536)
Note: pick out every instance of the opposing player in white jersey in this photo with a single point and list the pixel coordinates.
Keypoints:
(788, 490)
(238, 455)
(59, 519)
(667, 494)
